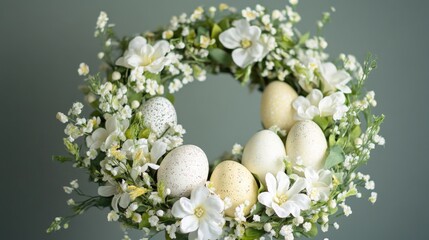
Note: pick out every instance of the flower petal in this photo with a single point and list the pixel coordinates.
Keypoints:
(301, 200)
(125, 200)
(214, 203)
(230, 38)
(283, 182)
(137, 43)
(158, 149)
(297, 187)
(199, 195)
(189, 224)
(271, 183)
(106, 191)
(182, 208)
(266, 198)
(160, 49)
(114, 203)
(209, 230)
(282, 212)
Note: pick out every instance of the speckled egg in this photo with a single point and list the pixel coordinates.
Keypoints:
(264, 153)
(276, 105)
(231, 179)
(183, 169)
(158, 113)
(307, 141)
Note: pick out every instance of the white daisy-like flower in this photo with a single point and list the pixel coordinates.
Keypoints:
(245, 40)
(316, 105)
(201, 215)
(318, 184)
(283, 198)
(118, 191)
(333, 79)
(141, 54)
(83, 69)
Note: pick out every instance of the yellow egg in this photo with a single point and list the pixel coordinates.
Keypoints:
(231, 179)
(276, 105)
(307, 141)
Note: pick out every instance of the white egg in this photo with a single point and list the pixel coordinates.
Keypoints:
(264, 153)
(307, 141)
(158, 114)
(232, 180)
(183, 169)
(276, 105)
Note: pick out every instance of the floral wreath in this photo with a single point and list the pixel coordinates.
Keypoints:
(288, 181)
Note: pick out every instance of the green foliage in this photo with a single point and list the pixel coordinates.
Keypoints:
(335, 157)
(220, 56)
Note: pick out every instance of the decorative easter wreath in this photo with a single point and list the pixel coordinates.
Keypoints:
(289, 179)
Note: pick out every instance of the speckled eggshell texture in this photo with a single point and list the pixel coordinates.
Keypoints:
(276, 105)
(158, 113)
(231, 179)
(306, 140)
(264, 153)
(183, 169)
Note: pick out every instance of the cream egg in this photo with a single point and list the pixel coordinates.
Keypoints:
(276, 105)
(183, 169)
(158, 113)
(264, 153)
(307, 142)
(232, 180)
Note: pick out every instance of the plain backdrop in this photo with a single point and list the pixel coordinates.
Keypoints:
(42, 42)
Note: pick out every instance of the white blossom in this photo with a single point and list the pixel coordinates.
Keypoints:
(283, 198)
(118, 191)
(245, 40)
(201, 215)
(333, 79)
(141, 54)
(102, 21)
(62, 117)
(83, 69)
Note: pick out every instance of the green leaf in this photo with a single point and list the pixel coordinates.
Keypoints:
(243, 74)
(335, 157)
(145, 221)
(72, 148)
(304, 38)
(170, 97)
(323, 122)
(332, 140)
(356, 131)
(220, 56)
(224, 24)
(62, 159)
(313, 231)
(251, 234)
(144, 133)
(216, 30)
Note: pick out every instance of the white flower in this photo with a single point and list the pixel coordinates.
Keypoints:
(112, 216)
(306, 226)
(118, 191)
(141, 54)
(245, 40)
(62, 117)
(333, 79)
(333, 105)
(318, 183)
(249, 14)
(97, 138)
(316, 105)
(282, 199)
(83, 69)
(102, 21)
(201, 215)
(373, 197)
(74, 184)
(307, 107)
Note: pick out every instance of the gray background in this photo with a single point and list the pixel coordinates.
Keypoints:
(42, 43)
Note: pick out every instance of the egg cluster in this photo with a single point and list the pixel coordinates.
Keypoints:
(289, 180)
